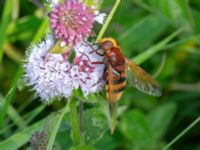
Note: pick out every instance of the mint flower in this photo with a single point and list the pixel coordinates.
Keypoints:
(90, 74)
(52, 75)
(49, 76)
(72, 21)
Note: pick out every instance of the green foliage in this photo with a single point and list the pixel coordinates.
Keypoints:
(56, 124)
(161, 35)
(82, 147)
(94, 127)
(149, 24)
(22, 137)
(140, 129)
(177, 11)
(4, 23)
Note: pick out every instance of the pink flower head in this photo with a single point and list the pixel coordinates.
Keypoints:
(83, 64)
(71, 21)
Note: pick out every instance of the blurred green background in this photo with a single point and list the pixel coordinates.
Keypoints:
(168, 29)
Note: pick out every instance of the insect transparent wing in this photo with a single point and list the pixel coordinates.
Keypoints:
(141, 80)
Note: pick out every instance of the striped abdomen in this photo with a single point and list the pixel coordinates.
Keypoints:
(115, 80)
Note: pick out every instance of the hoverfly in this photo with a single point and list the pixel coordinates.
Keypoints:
(119, 68)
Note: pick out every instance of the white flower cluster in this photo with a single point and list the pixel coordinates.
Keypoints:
(93, 73)
(53, 76)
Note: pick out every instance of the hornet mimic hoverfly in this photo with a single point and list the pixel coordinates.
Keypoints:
(119, 68)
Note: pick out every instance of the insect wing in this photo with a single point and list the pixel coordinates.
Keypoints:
(141, 80)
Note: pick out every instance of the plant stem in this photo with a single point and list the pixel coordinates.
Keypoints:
(182, 133)
(107, 22)
(161, 67)
(75, 131)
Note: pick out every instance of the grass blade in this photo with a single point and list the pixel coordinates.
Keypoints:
(56, 127)
(31, 115)
(22, 137)
(41, 31)
(4, 24)
(108, 20)
(9, 97)
(14, 115)
(182, 133)
(28, 117)
(156, 48)
(19, 139)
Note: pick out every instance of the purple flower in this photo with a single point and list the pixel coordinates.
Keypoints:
(49, 75)
(71, 21)
(83, 64)
(90, 75)
(52, 75)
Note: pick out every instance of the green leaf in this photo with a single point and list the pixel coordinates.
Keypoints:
(160, 118)
(112, 142)
(95, 125)
(63, 139)
(136, 129)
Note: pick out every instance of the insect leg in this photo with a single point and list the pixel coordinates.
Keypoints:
(96, 52)
(97, 62)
